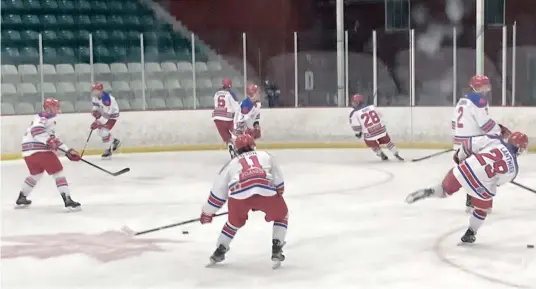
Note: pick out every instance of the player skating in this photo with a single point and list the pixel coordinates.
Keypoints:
(250, 182)
(471, 118)
(106, 112)
(39, 146)
(225, 107)
(365, 121)
(483, 164)
(248, 117)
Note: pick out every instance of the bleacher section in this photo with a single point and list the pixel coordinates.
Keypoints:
(115, 26)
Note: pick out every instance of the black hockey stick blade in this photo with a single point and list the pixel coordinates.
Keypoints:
(432, 155)
(168, 226)
(524, 187)
(104, 170)
(125, 170)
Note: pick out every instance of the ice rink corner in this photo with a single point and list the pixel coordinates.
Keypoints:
(349, 227)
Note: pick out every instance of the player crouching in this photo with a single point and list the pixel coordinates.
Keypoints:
(106, 112)
(248, 117)
(39, 146)
(250, 182)
(483, 164)
(365, 120)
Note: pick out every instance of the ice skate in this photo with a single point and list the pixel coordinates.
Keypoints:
(115, 145)
(232, 150)
(419, 195)
(469, 205)
(107, 154)
(383, 156)
(69, 203)
(22, 201)
(277, 253)
(218, 255)
(469, 236)
(399, 157)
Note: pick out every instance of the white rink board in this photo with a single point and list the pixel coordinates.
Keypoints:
(416, 125)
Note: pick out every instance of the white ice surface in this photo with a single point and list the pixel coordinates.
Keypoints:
(348, 228)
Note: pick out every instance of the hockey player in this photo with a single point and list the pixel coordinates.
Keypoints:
(39, 146)
(365, 120)
(483, 164)
(471, 118)
(247, 119)
(250, 182)
(225, 107)
(106, 112)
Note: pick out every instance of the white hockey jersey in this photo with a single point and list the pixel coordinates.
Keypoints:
(251, 173)
(42, 127)
(486, 162)
(107, 106)
(225, 105)
(366, 119)
(247, 116)
(471, 118)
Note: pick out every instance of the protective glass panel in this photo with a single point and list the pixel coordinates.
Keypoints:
(317, 69)
(219, 55)
(393, 51)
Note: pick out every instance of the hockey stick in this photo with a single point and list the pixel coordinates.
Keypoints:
(129, 231)
(432, 155)
(87, 140)
(125, 170)
(523, 187)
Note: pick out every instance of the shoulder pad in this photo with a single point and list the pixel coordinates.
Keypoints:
(477, 99)
(106, 99)
(225, 166)
(246, 106)
(46, 116)
(233, 95)
(354, 110)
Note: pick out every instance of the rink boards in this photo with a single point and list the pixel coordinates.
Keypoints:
(185, 130)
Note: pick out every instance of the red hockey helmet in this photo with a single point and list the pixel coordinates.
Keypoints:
(252, 89)
(51, 106)
(357, 99)
(519, 140)
(480, 83)
(244, 141)
(226, 83)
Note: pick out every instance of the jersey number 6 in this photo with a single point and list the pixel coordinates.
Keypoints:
(370, 118)
(221, 101)
(498, 166)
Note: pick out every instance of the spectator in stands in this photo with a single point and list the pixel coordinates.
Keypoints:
(272, 92)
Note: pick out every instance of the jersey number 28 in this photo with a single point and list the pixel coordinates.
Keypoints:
(498, 165)
(370, 118)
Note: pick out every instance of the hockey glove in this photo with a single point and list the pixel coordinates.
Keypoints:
(96, 114)
(358, 135)
(205, 219)
(456, 158)
(73, 155)
(96, 125)
(53, 143)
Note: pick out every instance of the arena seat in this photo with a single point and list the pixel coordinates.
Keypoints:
(115, 26)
